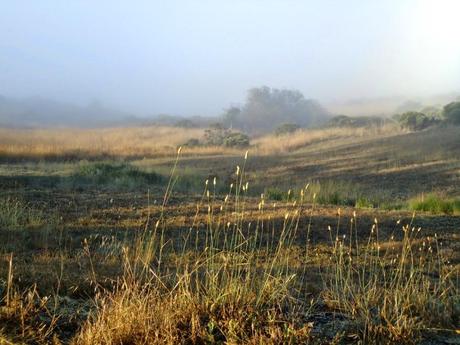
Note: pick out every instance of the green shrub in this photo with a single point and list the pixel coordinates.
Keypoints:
(236, 139)
(358, 121)
(217, 135)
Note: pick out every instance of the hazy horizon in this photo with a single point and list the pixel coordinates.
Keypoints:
(196, 58)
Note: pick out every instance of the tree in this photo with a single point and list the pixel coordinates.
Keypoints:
(230, 116)
(451, 112)
(267, 108)
(415, 121)
(432, 111)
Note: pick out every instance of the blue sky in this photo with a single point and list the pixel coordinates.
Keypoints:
(197, 57)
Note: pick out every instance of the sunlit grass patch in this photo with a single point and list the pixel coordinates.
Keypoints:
(435, 204)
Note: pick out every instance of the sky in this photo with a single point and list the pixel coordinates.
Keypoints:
(198, 57)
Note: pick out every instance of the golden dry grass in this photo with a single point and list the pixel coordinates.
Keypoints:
(151, 141)
(272, 144)
(236, 270)
(156, 141)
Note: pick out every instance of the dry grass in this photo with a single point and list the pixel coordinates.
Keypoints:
(272, 144)
(233, 283)
(235, 272)
(154, 141)
(137, 142)
(393, 290)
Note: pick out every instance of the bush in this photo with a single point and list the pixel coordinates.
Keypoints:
(286, 128)
(415, 121)
(451, 112)
(236, 139)
(359, 121)
(215, 135)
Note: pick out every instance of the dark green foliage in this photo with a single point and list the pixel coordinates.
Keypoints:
(359, 121)
(114, 174)
(286, 128)
(451, 112)
(217, 135)
(415, 121)
(236, 139)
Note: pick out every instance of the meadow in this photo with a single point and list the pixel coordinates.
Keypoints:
(320, 236)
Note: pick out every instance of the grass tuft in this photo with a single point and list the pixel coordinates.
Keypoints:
(435, 204)
(115, 175)
(16, 214)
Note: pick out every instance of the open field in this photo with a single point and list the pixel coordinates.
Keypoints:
(338, 235)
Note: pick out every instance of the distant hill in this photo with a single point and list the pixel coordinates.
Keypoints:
(41, 112)
(388, 106)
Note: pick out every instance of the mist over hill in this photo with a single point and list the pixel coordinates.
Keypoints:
(388, 106)
(263, 110)
(41, 112)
